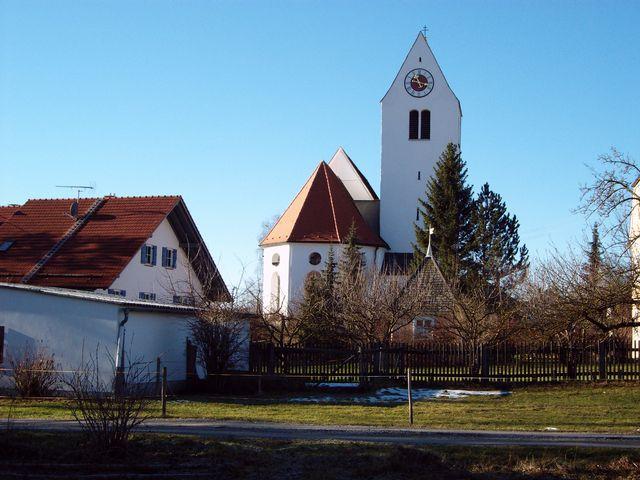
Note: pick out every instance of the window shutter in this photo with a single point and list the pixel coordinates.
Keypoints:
(174, 258)
(164, 256)
(143, 250)
(154, 251)
(413, 124)
(425, 125)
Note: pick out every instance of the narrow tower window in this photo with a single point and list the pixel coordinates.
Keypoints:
(413, 125)
(417, 214)
(418, 174)
(425, 125)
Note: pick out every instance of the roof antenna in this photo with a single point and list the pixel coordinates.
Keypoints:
(73, 210)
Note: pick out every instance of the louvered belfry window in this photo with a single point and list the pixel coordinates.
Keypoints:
(425, 125)
(413, 124)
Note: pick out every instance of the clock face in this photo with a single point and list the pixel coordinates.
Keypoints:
(418, 82)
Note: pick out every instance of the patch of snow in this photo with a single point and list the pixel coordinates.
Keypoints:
(332, 385)
(399, 395)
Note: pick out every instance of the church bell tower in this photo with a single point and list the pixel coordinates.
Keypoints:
(420, 116)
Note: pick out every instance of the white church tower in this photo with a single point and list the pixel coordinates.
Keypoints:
(420, 116)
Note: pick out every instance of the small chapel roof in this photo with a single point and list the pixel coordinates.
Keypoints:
(322, 212)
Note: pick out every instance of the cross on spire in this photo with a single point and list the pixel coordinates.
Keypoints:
(424, 30)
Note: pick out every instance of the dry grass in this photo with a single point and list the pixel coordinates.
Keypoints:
(66, 455)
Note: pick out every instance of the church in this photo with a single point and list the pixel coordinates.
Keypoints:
(420, 116)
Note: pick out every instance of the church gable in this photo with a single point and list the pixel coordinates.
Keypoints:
(421, 57)
(352, 178)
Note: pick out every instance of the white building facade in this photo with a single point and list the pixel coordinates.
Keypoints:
(420, 116)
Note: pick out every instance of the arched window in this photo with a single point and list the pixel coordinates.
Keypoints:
(275, 260)
(413, 125)
(275, 292)
(425, 125)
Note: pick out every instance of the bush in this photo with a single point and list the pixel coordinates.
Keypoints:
(34, 373)
(109, 410)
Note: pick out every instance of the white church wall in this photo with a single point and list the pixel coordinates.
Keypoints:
(161, 281)
(300, 267)
(274, 298)
(402, 158)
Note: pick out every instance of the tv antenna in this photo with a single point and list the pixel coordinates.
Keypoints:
(73, 210)
(79, 188)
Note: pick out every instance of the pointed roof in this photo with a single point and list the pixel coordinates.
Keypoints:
(420, 48)
(357, 185)
(322, 212)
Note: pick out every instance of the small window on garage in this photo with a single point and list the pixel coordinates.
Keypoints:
(275, 260)
(315, 258)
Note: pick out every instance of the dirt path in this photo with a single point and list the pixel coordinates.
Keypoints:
(398, 436)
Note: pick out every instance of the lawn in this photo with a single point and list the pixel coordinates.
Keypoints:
(596, 408)
(69, 456)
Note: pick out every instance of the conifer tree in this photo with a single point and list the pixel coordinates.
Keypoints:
(594, 254)
(317, 309)
(497, 254)
(352, 260)
(448, 208)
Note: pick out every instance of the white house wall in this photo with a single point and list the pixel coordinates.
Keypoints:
(403, 158)
(164, 282)
(69, 328)
(634, 233)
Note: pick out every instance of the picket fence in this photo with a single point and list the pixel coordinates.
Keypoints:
(441, 363)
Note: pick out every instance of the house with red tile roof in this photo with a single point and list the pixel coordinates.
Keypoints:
(138, 248)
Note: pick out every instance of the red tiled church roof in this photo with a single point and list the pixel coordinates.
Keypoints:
(91, 258)
(322, 212)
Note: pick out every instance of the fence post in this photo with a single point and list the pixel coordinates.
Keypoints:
(361, 368)
(484, 371)
(158, 387)
(164, 392)
(602, 360)
(409, 396)
(271, 359)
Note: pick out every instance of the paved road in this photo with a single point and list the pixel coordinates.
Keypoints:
(405, 436)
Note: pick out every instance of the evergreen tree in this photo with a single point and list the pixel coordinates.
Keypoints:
(594, 254)
(448, 208)
(352, 260)
(317, 310)
(497, 255)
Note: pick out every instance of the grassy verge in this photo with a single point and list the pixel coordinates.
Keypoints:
(596, 408)
(66, 455)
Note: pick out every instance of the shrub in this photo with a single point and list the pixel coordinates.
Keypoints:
(34, 372)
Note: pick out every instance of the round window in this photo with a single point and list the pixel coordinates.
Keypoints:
(314, 258)
(275, 260)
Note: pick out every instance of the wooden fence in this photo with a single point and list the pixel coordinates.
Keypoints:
(441, 363)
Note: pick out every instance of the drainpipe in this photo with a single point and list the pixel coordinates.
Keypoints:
(120, 346)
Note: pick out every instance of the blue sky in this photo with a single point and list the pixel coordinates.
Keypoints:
(232, 104)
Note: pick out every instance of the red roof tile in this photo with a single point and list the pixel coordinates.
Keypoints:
(7, 212)
(322, 212)
(94, 256)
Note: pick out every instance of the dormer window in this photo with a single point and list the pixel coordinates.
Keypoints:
(5, 245)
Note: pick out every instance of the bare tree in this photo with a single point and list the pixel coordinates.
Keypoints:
(376, 305)
(109, 406)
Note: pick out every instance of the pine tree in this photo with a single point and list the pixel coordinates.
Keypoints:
(497, 254)
(594, 254)
(317, 309)
(448, 208)
(352, 260)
